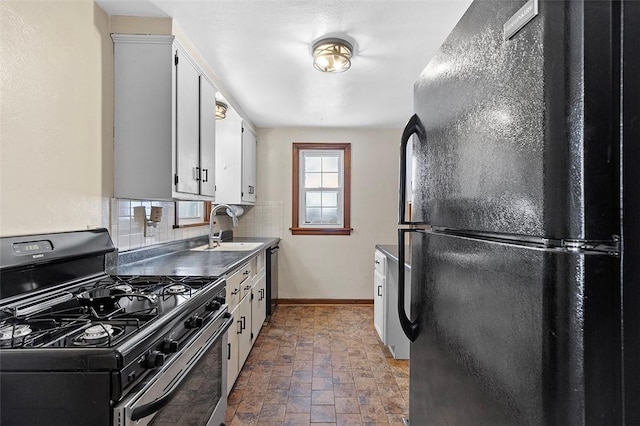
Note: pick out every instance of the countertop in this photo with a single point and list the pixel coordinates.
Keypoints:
(391, 251)
(176, 259)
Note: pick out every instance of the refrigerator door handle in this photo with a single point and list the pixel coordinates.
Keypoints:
(413, 127)
(410, 328)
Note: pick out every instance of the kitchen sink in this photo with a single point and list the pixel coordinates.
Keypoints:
(230, 246)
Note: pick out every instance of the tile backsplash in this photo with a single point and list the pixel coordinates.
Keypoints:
(264, 219)
(127, 224)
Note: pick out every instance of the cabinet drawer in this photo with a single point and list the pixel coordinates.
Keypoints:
(236, 284)
(380, 262)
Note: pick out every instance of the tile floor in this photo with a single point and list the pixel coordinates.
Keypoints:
(320, 365)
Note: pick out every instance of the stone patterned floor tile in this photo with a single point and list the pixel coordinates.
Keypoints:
(297, 419)
(323, 413)
(272, 413)
(349, 420)
(347, 406)
(322, 397)
(299, 404)
(315, 365)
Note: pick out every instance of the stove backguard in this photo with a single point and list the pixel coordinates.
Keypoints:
(34, 263)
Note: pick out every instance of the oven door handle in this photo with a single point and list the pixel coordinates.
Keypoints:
(152, 407)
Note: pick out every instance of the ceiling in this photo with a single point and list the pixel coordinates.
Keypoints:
(260, 51)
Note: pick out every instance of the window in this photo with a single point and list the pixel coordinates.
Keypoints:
(192, 213)
(321, 189)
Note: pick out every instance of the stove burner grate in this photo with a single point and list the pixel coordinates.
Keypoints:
(16, 331)
(176, 289)
(98, 334)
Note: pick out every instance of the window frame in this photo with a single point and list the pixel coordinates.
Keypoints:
(207, 213)
(298, 191)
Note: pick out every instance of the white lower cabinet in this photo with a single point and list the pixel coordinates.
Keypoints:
(258, 304)
(232, 351)
(243, 319)
(379, 294)
(385, 303)
(246, 297)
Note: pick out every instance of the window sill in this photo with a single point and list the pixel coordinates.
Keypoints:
(321, 231)
(191, 225)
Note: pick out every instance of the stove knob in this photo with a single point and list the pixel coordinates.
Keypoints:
(212, 306)
(219, 299)
(154, 359)
(193, 322)
(170, 346)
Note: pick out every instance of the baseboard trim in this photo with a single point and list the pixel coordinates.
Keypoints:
(325, 301)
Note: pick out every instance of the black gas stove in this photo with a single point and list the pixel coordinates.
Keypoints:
(98, 313)
(76, 342)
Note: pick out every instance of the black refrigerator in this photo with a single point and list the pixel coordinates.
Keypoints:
(525, 218)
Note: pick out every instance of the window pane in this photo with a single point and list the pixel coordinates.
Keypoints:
(330, 164)
(329, 199)
(312, 164)
(313, 180)
(330, 180)
(312, 215)
(314, 199)
(330, 215)
(189, 209)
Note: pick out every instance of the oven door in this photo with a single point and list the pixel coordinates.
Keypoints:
(189, 390)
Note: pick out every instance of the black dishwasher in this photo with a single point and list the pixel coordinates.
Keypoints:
(272, 280)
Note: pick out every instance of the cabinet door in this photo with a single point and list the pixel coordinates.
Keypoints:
(259, 304)
(187, 125)
(232, 351)
(207, 137)
(143, 117)
(249, 153)
(395, 338)
(244, 316)
(378, 304)
(235, 283)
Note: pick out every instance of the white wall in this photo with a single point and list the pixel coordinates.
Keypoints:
(333, 267)
(56, 154)
(56, 161)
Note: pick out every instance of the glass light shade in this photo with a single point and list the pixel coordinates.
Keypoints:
(221, 110)
(332, 55)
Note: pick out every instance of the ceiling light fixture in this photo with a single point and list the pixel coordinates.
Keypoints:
(221, 110)
(332, 55)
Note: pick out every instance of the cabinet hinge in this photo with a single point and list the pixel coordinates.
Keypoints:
(175, 59)
(251, 296)
(251, 336)
(242, 194)
(175, 179)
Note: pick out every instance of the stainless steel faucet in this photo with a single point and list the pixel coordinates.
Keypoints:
(215, 240)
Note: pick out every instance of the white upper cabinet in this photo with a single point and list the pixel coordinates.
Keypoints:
(164, 126)
(187, 125)
(236, 149)
(249, 161)
(207, 138)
